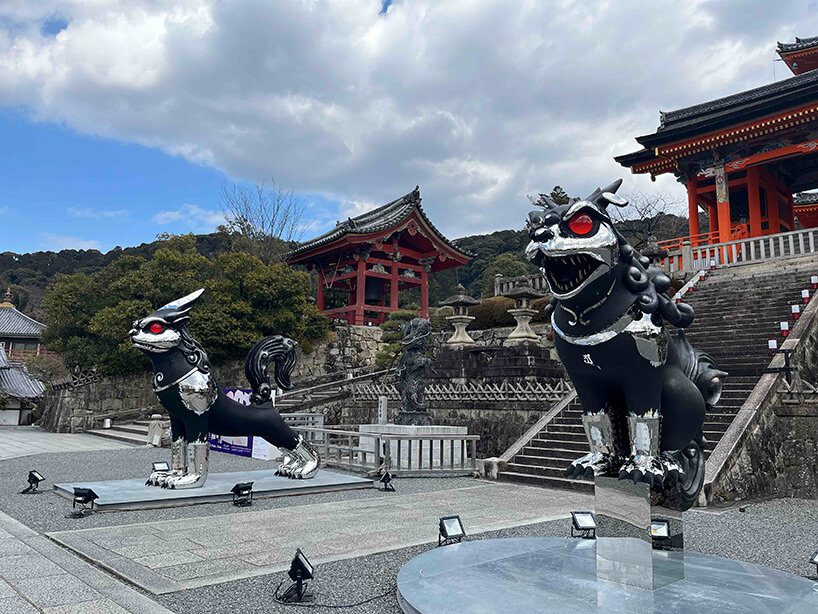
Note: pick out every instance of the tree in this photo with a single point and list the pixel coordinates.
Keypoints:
(649, 216)
(262, 219)
(559, 196)
(89, 315)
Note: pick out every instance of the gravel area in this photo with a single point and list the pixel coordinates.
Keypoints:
(777, 534)
(46, 512)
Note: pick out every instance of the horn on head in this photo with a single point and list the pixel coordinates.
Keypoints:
(180, 307)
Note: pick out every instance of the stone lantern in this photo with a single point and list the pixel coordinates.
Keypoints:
(653, 252)
(460, 303)
(523, 297)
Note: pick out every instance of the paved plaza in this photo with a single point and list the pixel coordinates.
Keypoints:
(174, 555)
(17, 441)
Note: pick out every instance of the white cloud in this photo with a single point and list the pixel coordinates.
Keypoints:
(89, 213)
(190, 217)
(55, 242)
(480, 103)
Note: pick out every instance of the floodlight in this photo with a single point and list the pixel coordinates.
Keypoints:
(300, 571)
(84, 497)
(814, 560)
(386, 480)
(242, 494)
(660, 528)
(161, 467)
(34, 479)
(450, 530)
(584, 523)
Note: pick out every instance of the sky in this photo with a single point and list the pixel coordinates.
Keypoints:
(120, 119)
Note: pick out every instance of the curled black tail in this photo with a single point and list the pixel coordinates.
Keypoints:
(701, 368)
(277, 349)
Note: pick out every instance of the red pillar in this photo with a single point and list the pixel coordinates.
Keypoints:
(424, 294)
(723, 205)
(772, 204)
(692, 206)
(360, 289)
(754, 201)
(393, 287)
(713, 215)
(319, 294)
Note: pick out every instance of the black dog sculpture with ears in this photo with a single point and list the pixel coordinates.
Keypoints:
(183, 380)
(644, 395)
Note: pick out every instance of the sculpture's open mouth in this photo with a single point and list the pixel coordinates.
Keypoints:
(567, 273)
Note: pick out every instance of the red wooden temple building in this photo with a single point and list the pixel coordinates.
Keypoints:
(372, 257)
(744, 157)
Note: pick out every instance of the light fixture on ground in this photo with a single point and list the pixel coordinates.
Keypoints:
(34, 479)
(84, 497)
(659, 528)
(161, 467)
(301, 570)
(386, 482)
(814, 560)
(584, 523)
(451, 531)
(242, 494)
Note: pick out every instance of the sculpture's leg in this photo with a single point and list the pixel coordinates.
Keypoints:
(644, 464)
(178, 462)
(307, 461)
(197, 462)
(603, 457)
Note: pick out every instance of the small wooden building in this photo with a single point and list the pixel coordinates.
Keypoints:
(20, 335)
(373, 256)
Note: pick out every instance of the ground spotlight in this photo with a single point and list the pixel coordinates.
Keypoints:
(450, 531)
(584, 523)
(84, 497)
(814, 560)
(242, 494)
(386, 482)
(301, 570)
(34, 479)
(659, 528)
(161, 467)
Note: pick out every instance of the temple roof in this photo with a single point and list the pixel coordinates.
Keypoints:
(799, 45)
(805, 198)
(17, 382)
(382, 218)
(13, 323)
(712, 115)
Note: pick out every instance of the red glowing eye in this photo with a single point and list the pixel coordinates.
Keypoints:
(156, 328)
(581, 224)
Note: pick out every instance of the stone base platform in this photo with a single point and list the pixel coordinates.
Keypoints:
(134, 494)
(539, 575)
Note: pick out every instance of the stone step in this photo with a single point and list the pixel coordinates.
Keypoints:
(544, 461)
(546, 482)
(550, 472)
(118, 435)
(131, 427)
(566, 455)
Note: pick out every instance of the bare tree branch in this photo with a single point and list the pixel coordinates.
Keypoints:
(263, 219)
(650, 215)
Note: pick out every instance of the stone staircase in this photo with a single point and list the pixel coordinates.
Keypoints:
(738, 309)
(135, 432)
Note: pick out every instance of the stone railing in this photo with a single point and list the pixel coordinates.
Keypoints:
(511, 392)
(406, 455)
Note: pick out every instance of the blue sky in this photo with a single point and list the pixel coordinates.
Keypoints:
(120, 120)
(62, 189)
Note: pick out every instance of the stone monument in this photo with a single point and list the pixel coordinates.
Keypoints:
(523, 297)
(413, 369)
(460, 318)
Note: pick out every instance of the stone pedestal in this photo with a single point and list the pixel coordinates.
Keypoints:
(415, 454)
(523, 333)
(626, 552)
(460, 336)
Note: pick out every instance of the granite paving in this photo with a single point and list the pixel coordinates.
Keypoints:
(174, 555)
(38, 576)
(17, 441)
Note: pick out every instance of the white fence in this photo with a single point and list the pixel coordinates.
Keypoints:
(505, 392)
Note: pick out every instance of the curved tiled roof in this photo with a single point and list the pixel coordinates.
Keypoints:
(16, 324)
(382, 218)
(798, 45)
(17, 382)
(805, 198)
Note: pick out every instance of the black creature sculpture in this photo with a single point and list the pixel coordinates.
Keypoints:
(413, 368)
(183, 380)
(644, 395)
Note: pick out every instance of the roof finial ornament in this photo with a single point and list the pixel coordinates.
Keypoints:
(7, 299)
